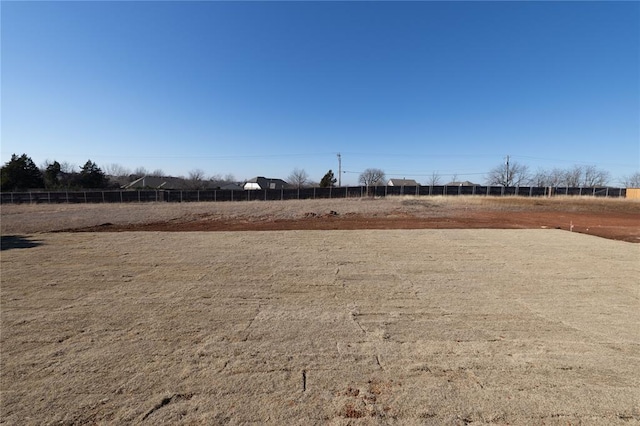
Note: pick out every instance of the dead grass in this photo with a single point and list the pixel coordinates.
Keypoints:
(330, 327)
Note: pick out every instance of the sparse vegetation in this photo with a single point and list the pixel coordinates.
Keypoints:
(329, 327)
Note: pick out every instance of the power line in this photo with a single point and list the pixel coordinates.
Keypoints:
(423, 174)
(564, 160)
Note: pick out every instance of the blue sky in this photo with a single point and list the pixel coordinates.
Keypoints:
(255, 88)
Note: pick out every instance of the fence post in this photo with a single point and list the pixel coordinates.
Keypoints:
(49, 196)
(103, 196)
(85, 197)
(281, 194)
(138, 195)
(430, 189)
(314, 192)
(330, 190)
(198, 195)
(607, 192)
(346, 192)
(30, 201)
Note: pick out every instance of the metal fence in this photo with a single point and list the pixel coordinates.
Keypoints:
(140, 196)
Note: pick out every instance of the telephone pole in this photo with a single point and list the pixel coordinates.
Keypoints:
(507, 181)
(339, 170)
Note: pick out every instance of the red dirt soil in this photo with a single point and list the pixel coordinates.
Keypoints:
(624, 226)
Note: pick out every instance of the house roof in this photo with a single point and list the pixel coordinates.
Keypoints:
(233, 186)
(462, 183)
(402, 182)
(157, 182)
(266, 183)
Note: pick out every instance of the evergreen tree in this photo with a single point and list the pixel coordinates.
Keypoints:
(91, 176)
(328, 180)
(52, 175)
(20, 173)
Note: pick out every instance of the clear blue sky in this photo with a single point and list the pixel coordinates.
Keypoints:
(261, 88)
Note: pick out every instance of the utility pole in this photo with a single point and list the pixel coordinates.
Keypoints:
(339, 170)
(507, 181)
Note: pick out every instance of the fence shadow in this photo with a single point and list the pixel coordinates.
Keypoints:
(9, 242)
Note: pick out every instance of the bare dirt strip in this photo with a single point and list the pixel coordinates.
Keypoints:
(623, 227)
(608, 218)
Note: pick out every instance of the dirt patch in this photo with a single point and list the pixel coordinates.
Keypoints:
(613, 220)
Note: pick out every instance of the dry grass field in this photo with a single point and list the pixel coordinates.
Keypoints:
(355, 326)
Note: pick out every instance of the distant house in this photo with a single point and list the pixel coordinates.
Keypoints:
(260, 182)
(157, 182)
(402, 182)
(462, 183)
(234, 186)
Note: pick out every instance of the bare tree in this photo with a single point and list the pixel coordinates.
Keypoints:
(512, 174)
(115, 169)
(543, 177)
(298, 178)
(371, 177)
(632, 181)
(66, 167)
(540, 178)
(140, 171)
(572, 176)
(555, 177)
(196, 179)
(156, 173)
(592, 176)
(585, 176)
(434, 179)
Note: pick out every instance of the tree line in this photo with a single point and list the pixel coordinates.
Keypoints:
(21, 173)
(586, 176)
